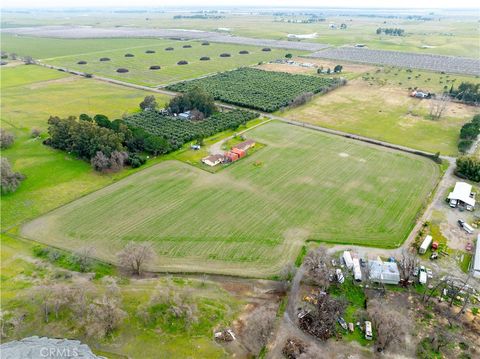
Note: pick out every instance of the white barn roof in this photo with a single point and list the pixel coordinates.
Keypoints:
(476, 259)
(462, 192)
(384, 272)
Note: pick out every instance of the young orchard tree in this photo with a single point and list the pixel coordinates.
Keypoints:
(136, 255)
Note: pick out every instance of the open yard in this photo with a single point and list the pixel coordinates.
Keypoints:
(92, 50)
(304, 185)
(30, 94)
(386, 113)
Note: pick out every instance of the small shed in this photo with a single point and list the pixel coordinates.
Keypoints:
(239, 152)
(244, 146)
(384, 272)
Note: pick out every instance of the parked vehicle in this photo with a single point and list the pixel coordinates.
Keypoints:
(368, 330)
(453, 203)
(434, 255)
(363, 262)
(342, 323)
(469, 247)
(422, 275)
(465, 226)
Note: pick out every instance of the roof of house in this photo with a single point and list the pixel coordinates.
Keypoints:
(237, 150)
(213, 158)
(462, 192)
(245, 145)
(384, 271)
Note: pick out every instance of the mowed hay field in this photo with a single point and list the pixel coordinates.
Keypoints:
(30, 94)
(251, 218)
(139, 66)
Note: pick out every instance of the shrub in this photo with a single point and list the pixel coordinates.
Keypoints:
(225, 54)
(136, 160)
(122, 70)
(9, 180)
(204, 58)
(187, 46)
(155, 67)
(88, 76)
(169, 49)
(150, 52)
(82, 62)
(266, 49)
(243, 52)
(205, 43)
(468, 167)
(129, 55)
(6, 139)
(104, 59)
(35, 133)
(464, 145)
(182, 62)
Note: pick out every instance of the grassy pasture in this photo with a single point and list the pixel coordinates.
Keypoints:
(139, 65)
(30, 94)
(387, 113)
(253, 217)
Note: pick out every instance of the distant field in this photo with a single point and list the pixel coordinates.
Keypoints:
(30, 94)
(251, 219)
(380, 109)
(257, 89)
(454, 34)
(92, 50)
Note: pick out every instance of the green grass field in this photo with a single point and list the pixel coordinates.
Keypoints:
(385, 113)
(30, 94)
(251, 218)
(93, 49)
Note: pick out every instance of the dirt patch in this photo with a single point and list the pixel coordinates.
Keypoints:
(287, 68)
(38, 85)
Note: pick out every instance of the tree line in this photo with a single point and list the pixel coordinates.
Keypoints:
(392, 31)
(469, 133)
(466, 92)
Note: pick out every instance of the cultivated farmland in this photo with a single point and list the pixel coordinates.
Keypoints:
(156, 54)
(178, 131)
(261, 90)
(451, 64)
(253, 217)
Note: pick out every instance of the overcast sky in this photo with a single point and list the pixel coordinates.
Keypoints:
(268, 3)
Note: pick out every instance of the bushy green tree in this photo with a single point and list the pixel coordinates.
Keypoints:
(149, 103)
(468, 167)
(194, 99)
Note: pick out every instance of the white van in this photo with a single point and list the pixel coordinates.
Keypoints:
(368, 330)
(467, 228)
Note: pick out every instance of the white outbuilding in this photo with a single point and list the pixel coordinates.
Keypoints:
(384, 272)
(462, 195)
(476, 259)
(347, 258)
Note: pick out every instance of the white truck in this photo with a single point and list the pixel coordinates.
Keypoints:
(368, 330)
(422, 275)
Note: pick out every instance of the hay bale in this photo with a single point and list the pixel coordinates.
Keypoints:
(122, 70)
(155, 67)
(187, 46)
(266, 49)
(225, 54)
(82, 62)
(169, 49)
(182, 62)
(243, 52)
(104, 59)
(204, 58)
(150, 52)
(129, 55)
(205, 43)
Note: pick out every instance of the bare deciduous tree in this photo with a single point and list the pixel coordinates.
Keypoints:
(389, 325)
(6, 139)
(438, 106)
(84, 258)
(321, 320)
(10, 180)
(407, 263)
(259, 327)
(316, 264)
(136, 255)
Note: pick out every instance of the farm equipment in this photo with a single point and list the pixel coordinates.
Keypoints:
(434, 256)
